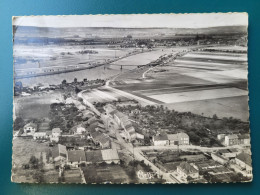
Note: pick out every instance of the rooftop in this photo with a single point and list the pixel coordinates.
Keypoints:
(56, 130)
(31, 125)
(187, 168)
(246, 158)
(160, 137)
(76, 156)
(109, 154)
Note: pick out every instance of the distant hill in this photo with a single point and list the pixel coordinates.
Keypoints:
(108, 32)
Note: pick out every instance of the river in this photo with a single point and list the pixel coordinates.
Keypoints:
(100, 72)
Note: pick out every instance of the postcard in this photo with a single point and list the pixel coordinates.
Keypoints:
(139, 98)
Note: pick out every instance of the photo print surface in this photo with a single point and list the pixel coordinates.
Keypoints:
(141, 98)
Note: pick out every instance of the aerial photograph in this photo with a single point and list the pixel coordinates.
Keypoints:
(131, 99)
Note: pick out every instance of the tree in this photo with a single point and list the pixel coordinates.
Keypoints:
(75, 80)
(215, 117)
(18, 123)
(64, 82)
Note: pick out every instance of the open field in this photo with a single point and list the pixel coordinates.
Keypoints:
(199, 95)
(35, 105)
(106, 173)
(23, 149)
(210, 83)
(52, 55)
(223, 107)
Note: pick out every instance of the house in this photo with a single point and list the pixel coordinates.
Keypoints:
(139, 136)
(100, 138)
(39, 135)
(228, 153)
(120, 118)
(93, 156)
(231, 140)
(109, 108)
(98, 156)
(244, 139)
(30, 128)
(221, 136)
(76, 157)
(160, 140)
(244, 160)
(187, 170)
(59, 153)
(218, 158)
(178, 139)
(110, 156)
(56, 133)
(80, 130)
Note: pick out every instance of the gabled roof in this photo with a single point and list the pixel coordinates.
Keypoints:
(160, 137)
(56, 130)
(76, 156)
(59, 150)
(244, 136)
(31, 125)
(233, 136)
(93, 156)
(109, 154)
(187, 168)
(100, 137)
(246, 158)
(172, 137)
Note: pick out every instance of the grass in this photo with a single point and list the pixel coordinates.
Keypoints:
(105, 173)
(35, 106)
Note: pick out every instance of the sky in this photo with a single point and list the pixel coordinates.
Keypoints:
(136, 20)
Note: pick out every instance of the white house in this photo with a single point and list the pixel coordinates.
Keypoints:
(39, 135)
(30, 128)
(56, 133)
(187, 170)
(160, 140)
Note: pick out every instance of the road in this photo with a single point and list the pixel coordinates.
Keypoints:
(187, 147)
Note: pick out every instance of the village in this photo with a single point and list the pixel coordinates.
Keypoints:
(80, 136)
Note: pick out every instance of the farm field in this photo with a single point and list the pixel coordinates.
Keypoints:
(223, 107)
(210, 83)
(35, 105)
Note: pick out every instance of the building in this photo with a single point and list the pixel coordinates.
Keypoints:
(80, 130)
(98, 156)
(187, 170)
(160, 140)
(39, 135)
(76, 157)
(110, 156)
(56, 133)
(109, 108)
(244, 139)
(231, 140)
(221, 136)
(218, 158)
(228, 153)
(178, 139)
(30, 128)
(59, 153)
(244, 161)
(100, 138)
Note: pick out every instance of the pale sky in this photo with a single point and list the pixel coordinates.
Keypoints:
(136, 20)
